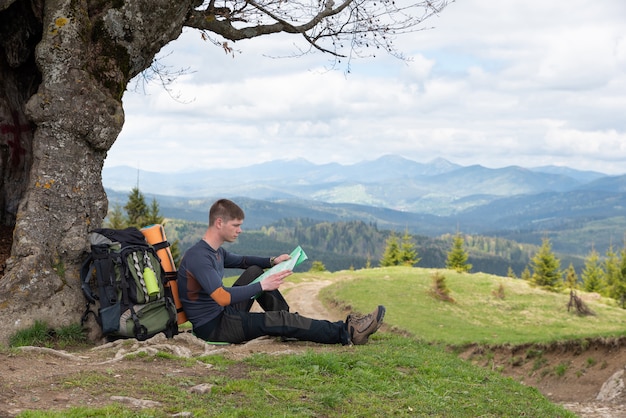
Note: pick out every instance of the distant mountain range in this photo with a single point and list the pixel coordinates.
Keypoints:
(397, 193)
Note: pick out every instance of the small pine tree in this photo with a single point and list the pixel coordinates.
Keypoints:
(571, 278)
(611, 273)
(317, 266)
(115, 218)
(391, 256)
(175, 250)
(526, 274)
(546, 268)
(142, 216)
(457, 256)
(510, 273)
(153, 215)
(136, 208)
(408, 253)
(593, 274)
(621, 280)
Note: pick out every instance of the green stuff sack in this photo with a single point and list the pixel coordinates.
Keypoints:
(151, 316)
(123, 277)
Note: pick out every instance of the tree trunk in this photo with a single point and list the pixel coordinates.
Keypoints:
(84, 59)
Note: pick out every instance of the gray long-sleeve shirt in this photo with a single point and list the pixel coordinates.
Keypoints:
(202, 292)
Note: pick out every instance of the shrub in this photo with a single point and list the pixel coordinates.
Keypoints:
(440, 288)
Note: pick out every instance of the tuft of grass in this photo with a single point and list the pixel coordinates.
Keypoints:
(36, 335)
(69, 336)
(109, 411)
(539, 363)
(533, 353)
(42, 335)
(561, 368)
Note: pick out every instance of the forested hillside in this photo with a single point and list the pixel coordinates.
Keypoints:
(357, 244)
(575, 223)
(578, 210)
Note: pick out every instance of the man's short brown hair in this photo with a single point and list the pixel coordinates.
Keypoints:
(225, 209)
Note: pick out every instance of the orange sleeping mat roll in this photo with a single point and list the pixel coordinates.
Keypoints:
(155, 235)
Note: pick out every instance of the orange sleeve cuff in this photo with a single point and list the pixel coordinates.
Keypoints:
(221, 296)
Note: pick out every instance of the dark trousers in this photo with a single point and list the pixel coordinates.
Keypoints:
(237, 324)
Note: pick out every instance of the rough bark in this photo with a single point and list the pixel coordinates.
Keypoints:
(86, 54)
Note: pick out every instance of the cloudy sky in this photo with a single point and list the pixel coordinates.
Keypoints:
(496, 83)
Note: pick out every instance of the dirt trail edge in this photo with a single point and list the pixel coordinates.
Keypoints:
(35, 378)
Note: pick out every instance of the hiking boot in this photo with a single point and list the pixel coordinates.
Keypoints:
(360, 328)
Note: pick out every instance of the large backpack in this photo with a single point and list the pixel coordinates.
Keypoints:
(124, 276)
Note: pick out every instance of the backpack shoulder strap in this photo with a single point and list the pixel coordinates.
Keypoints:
(86, 271)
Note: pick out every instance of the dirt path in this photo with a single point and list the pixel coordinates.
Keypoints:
(303, 299)
(35, 378)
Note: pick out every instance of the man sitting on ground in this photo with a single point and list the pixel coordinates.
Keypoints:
(222, 314)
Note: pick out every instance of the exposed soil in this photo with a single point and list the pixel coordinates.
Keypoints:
(34, 378)
(586, 377)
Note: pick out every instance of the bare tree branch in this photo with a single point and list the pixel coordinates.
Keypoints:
(352, 24)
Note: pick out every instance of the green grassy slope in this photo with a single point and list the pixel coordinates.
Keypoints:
(477, 315)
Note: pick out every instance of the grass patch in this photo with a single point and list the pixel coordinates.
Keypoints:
(393, 376)
(42, 335)
(113, 410)
(526, 315)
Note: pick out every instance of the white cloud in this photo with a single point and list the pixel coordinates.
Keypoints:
(522, 82)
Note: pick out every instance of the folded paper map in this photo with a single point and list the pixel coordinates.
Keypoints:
(297, 256)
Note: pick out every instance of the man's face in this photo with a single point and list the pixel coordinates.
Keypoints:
(231, 230)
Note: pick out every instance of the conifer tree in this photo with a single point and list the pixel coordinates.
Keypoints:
(571, 278)
(391, 256)
(175, 250)
(620, 294)
(526, 274)
(408, 253)
(611, 274)
(143, 216)
(510, 273)
(115, 219)
(546, 268)
(593, 274)
(136, 208)
(457, 256)
(317, 266)
(153, 215)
